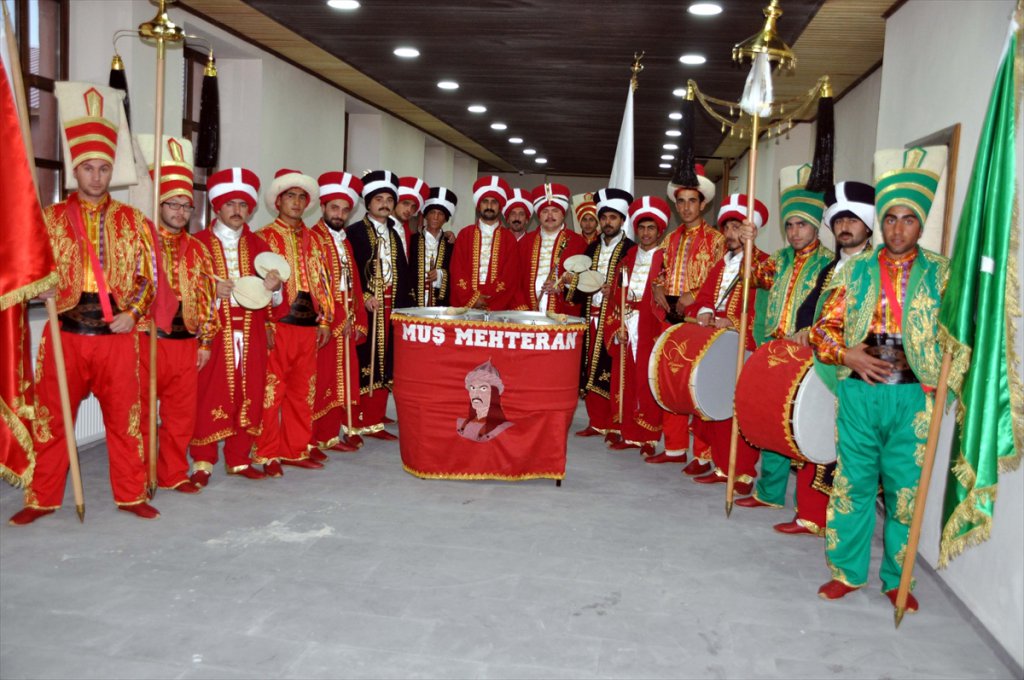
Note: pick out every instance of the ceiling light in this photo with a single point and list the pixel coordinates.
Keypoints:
(343, 4)
(670, 146)
(540, 161)
(448, 85)
(498, 126)
(667, 166)
(476, 108)
(679, 92)
(704, 9)
(667, 157)
(515, 140)
(692, 59)
(529, 152)
(675, 115)
(673, 133)
(406, 52)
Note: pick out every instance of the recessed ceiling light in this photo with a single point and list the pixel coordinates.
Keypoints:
(665, 165)
(673, 133)
(529, 152)
(679, 92)
(343, 4)
(670, 146)
(540, 161)
(667, 157)
(498, 126)
(704, 9)
(406, 52)
(515, 140)
(692, 59)
(448, 85)
(476, 108)
(675, 115)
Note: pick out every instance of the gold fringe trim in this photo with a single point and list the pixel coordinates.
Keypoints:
(483, 475)
(28, 291)
(24, 439)
(1011, 306)
(954, 543)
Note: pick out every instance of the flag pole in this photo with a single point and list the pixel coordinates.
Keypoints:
(910, 556)
(345, 275)
(622, 346)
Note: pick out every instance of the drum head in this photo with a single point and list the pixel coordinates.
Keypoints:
(590, 281)
(264, 262)
(814, 417)
(713, 380)
(532, 318)
(577, 264)
(250, 292)
(441, 312)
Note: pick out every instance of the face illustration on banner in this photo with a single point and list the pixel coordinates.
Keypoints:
(485, 419)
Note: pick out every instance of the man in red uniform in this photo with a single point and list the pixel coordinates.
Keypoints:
(518, 212)
(412, 193)
(632, 339)
(231, 386)
(719, 304)
(690, 252)
(485, 268)
(544, 284)
(104, 256)
(584, 209)
(183, 349)
(336, 388)
(296, 337)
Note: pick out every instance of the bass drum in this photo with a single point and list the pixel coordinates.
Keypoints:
(692, 370)
(783, 406)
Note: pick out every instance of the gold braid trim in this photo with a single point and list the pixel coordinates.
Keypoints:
(952, 544)
(483, 475)
(215, 437)
(24, 439)
(28, 291)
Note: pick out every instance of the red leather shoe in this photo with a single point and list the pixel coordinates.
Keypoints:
(317, 456)
(354, 440)
(28, 515)
(383, 435)
(912, 605)
(833, 590)
(388, 421)
(188, 487)
(588, 431)
(742, 488)
(249, 472)
(273, 469)
(612, 438)
(793, 528)
(647, 451)
(664, 458)
(344, 447)
(697, 467)
(304, 463)
(751, 502)
(200, 478)
(141, 510)
(622, 445)
(711, 478)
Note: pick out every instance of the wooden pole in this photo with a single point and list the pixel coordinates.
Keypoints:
(622, 346)
(921, 499)
(748, 256)
(158, 133)
(65, 409)
(345, 274)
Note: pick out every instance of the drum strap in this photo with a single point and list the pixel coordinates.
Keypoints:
(728, 291)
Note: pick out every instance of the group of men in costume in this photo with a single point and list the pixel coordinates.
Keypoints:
(286, 361)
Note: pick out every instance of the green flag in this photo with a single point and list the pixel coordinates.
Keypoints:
(975, 322)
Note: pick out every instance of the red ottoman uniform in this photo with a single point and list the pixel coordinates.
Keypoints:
(542, 257)
(485, 261)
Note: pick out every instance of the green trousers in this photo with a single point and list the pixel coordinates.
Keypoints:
(773, 478)
(882, 431)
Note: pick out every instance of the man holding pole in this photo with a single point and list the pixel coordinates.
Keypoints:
(431, 252)
(544, 285)
(879, 327)
(337, 382)
(104, 257)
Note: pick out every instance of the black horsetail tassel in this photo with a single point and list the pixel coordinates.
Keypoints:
(824, 148)
(208, 143)
(684, 173)
(119, 81)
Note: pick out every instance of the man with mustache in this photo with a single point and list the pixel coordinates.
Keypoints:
(544, 285)
(518, 213)
(431, 252)
(484, 268)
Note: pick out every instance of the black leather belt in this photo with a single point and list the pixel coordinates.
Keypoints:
(889, 348)
(301, 311)
(179, 331)
(86, 318)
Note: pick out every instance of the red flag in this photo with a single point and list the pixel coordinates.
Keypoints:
(28, 270)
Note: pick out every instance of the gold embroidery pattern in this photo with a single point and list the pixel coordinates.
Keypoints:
(219, 414)
(905, 498)
(311, 391)
(840, 500)
(271, 389)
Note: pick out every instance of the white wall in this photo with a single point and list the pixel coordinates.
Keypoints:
(940, 61)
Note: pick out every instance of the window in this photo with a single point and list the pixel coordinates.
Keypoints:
(195, 62)
(42, 36)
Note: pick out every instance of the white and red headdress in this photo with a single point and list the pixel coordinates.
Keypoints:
(735, 208)
(336, 185)
(232, 184)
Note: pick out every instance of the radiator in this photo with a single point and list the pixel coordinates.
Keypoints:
(89, 423)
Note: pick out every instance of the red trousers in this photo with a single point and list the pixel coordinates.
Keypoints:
(328, 427)
(717, 435)
(176, 382)
(237, 453)
(811, 503)
(677, 431)
(599, 411)
(288, 405)
(107, 366)
(369, 415)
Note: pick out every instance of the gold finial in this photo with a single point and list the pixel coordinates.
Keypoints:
(161, 27)
(211, 66)
(766, 41)
(636, 68)
(826, 87)
(116, 64)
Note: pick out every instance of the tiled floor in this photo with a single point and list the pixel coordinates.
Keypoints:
(360, 570)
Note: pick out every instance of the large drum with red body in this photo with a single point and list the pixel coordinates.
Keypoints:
(692, 370)
(783, 406)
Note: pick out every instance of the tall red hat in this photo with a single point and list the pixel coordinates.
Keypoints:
(650, 207)
(735, 208)
(90, 120)
(232, 184)
(556, 195)
(175, 165)
(415, 189)
(492, 186)
(343, 185)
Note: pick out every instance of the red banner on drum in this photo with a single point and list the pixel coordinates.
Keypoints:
(485, 400)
